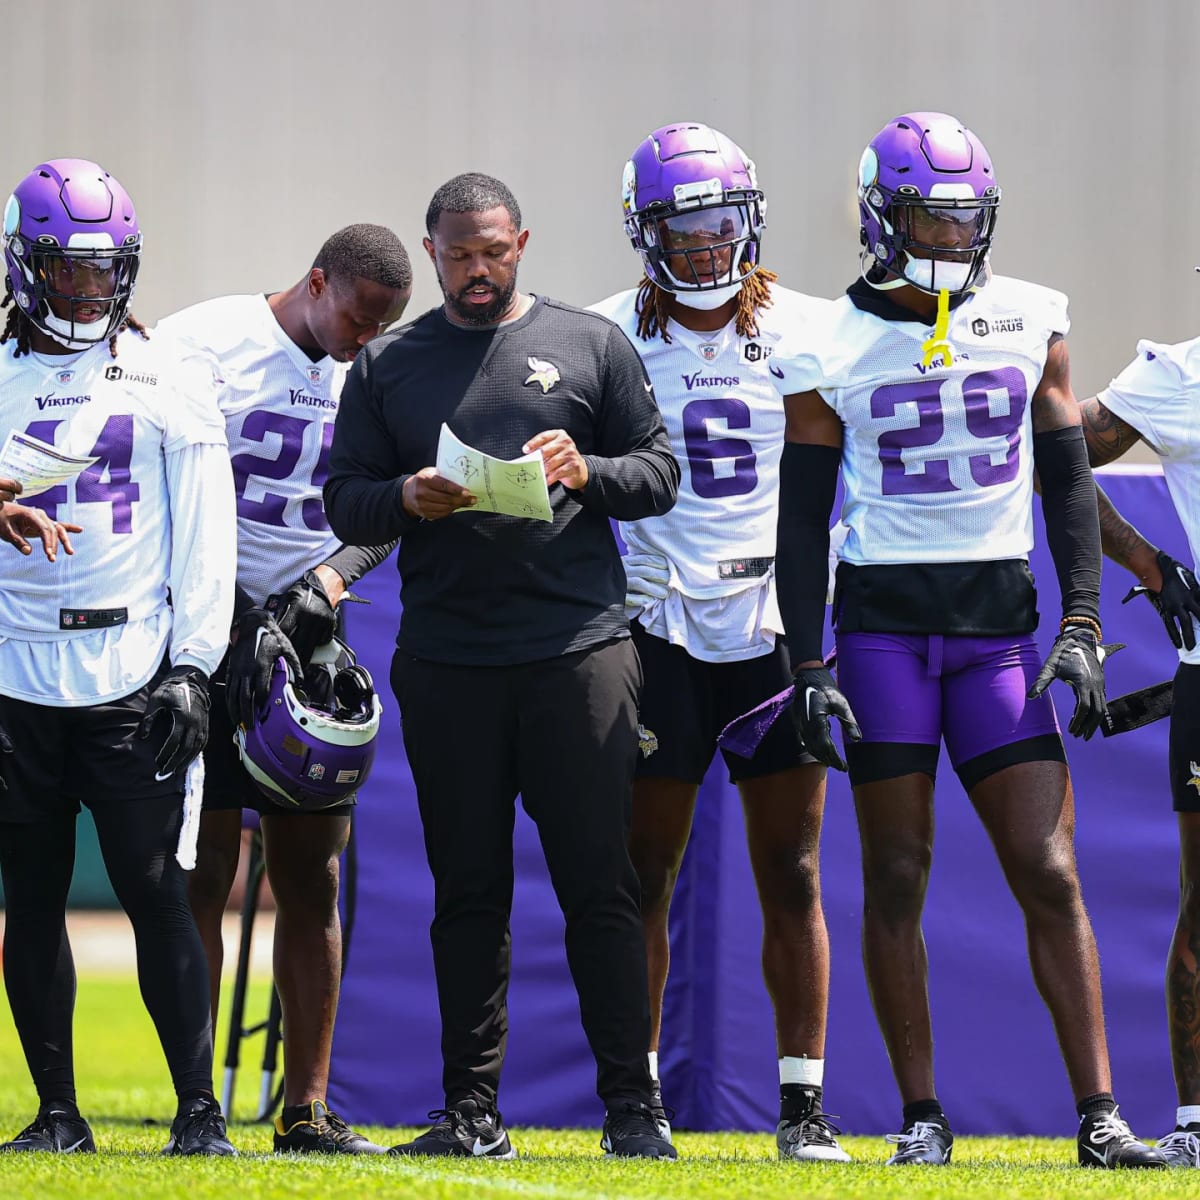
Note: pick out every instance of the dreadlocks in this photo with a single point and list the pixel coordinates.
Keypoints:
(18, 325)
(651, 305)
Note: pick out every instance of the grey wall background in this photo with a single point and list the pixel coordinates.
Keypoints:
(248, 130)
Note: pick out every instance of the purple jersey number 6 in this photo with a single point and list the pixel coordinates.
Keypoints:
(704, 451)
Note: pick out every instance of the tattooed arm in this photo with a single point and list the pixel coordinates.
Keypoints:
(1107, 436)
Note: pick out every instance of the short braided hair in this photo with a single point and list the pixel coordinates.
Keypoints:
(651, 305)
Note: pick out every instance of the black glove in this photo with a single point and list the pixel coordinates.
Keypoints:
(818, 699)
(6, 747)
(1177, 603)
(257, 644)
(304, 615)
(1076, 659)
(182, 696)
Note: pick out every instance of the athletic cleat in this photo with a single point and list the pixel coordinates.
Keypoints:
(661, 1117)
(55, 1132)
(199, 1128)
(464, 1130)
(1181, 1148)
(631, 1131)
(321, 1132)
(1106, 1141)
(810, 1139)
(922, 1142)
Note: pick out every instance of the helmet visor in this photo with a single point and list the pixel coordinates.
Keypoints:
(701, 248)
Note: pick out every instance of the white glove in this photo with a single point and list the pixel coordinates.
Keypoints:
(647, 578)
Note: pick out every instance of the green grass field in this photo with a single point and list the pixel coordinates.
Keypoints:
(123, 1086)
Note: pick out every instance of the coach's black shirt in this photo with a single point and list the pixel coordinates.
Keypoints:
(482, 588)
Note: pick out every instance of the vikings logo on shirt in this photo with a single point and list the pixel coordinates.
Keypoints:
(647, 741)
(1195, 779)
(545, 374)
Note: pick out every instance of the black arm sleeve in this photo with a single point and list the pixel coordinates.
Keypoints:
(807, 486)
(353, 562)
(633, 474)
(364, 491)
(1072, 525)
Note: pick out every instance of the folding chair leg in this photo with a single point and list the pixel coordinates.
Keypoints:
(237, 1011)
(267, 1098)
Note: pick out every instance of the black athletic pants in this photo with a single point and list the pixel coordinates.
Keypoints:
(562, 733)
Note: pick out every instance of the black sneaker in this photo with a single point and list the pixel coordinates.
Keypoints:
(631, 1131)
(662, 1118)
(1105, 1140)
(1181, 1147)
(922, 1142)
(812, 1138)
(464, 1130)
(53, 1131)
(320, 1131)
(199, 1128)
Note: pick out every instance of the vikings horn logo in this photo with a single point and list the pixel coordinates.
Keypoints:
(647, 741)
(1195, 779)
(545, 374)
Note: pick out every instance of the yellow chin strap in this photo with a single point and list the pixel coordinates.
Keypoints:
(939, 343)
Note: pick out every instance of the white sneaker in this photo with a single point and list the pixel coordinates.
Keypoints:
(810, 1139)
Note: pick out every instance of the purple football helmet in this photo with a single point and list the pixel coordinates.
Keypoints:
(691, 196)
(313, 742)
(927, 200)
(70, 217)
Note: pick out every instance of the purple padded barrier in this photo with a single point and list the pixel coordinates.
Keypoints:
(999, 1070)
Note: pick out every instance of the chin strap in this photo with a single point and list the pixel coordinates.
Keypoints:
(939, 343)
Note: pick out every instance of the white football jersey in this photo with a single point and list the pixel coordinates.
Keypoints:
(1159, 394)
(937, 462)
(725, 421)
(279, 408)
(126, 414)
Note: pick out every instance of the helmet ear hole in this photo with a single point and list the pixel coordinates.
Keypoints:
(353, 688)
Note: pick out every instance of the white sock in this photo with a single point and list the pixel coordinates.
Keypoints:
(652, 1060)
(1187, 1114)
(808, 1071)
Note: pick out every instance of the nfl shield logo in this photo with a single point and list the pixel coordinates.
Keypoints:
(708, 351)
(65, 376)
(316, 771)
(314, 374)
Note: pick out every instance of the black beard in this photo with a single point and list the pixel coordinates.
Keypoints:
(472, 314)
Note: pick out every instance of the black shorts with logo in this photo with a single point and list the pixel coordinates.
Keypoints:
(86, 754)
(686, 703)
(1184, 754)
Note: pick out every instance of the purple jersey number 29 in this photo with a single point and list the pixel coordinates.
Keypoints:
(926, 396)
(113, 453)
(704, 451)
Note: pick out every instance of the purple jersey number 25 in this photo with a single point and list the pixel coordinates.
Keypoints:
(926, 395)
(113, 453)
(271, 509)
(705, 451)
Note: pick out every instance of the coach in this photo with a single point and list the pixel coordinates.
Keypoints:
(513, 670)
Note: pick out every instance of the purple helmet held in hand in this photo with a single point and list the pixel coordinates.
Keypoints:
(313, 743)
(69, 219)
(693, 210)
(927, 199)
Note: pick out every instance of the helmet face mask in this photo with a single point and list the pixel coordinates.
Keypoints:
(693, 209)
(312, 745)
(928, 201)
(71, 250)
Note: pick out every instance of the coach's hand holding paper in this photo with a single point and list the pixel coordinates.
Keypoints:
(516, 487)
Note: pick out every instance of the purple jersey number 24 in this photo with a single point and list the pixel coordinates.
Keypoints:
(926, 396)
(113, 453)
(272, 508)
(704, 451)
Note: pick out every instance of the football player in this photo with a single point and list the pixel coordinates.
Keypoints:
(706, 319)
(937, 390)
(1154, 400)
(283, 357)
(105, 657)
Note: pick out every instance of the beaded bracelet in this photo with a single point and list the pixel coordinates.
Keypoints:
(1087, 622)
